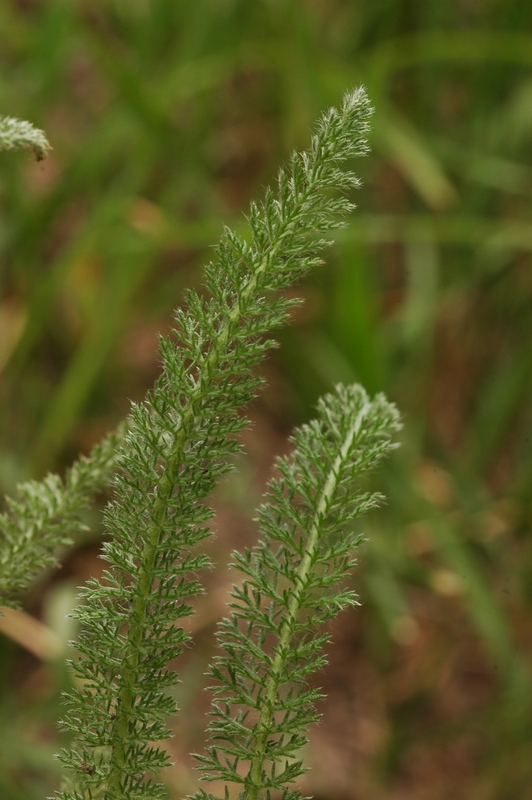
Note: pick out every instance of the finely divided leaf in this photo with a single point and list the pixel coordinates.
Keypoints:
(178, 443)
(293, 580)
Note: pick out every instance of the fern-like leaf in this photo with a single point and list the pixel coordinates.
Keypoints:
(47, 515)
(293, 581)
(178, 443)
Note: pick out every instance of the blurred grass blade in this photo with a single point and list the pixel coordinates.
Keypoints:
(504, 391)
(415, 161)
(485, 612)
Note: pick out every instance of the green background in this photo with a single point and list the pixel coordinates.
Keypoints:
(166, 118)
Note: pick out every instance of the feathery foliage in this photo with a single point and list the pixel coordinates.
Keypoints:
(178, 442)
(17, 134)
(46, 515)
(292, 584)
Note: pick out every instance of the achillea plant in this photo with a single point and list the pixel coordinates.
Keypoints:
(293, 582)
(47, 515)
(16, 134)
(178, 442)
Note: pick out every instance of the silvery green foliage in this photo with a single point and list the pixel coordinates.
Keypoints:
(293, 581)
(17, 134)
(46, 515)
(178, 443)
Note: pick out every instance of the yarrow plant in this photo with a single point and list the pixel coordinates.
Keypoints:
(293, 581)
(177, 443)
(16, 134)
(47, 515)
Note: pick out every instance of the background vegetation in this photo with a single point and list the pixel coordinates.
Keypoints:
(166, 118)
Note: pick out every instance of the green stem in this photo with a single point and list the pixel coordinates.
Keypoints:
(255, 783)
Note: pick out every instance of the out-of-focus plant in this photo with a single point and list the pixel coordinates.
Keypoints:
(17, 134)
(47, 515)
